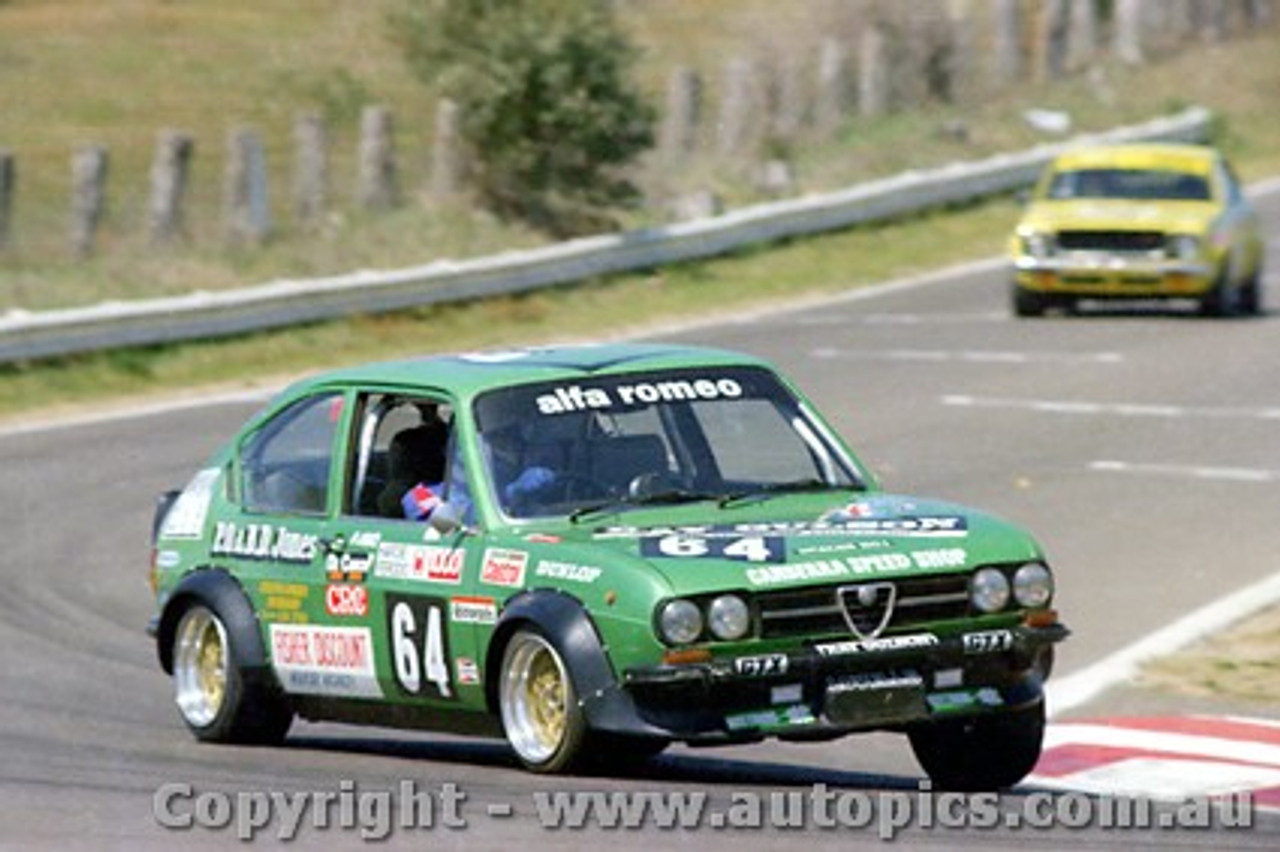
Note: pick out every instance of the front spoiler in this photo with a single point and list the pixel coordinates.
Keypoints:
(837, 687)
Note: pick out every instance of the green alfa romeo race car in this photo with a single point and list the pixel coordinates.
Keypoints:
(592, 551)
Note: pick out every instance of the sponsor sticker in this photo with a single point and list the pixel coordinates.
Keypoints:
(468, 671)
(263, 542)
(871, 646)
(569, 398)
(427, 563)
(503, 567)
(567, 571)
(322, 660)
(187, 515)
(346, 599)
(473, 610)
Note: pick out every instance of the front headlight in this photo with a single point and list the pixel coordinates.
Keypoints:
(1036, 245)
(1032, 585)
(989, 590)
(729, 617)
(1184, 246)
(680, 622)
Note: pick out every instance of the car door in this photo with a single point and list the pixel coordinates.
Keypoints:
(412, 592)
(279, 538)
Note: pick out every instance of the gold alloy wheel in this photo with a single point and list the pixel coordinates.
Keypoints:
(200, 666)
(535, 696)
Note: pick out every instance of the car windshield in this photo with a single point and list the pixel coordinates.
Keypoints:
(716, 433)
(1138, 184)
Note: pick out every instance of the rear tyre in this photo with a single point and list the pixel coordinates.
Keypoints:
(982, 752)
(1251, 294)
(1220, 300)
(219, 701)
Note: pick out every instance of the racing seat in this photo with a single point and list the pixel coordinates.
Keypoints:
(416, 455)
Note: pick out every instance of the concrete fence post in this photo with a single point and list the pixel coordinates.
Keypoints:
(8, 181)
(874, 73)
(245, 201)
(376, 188)
(1006, 30)
(448, 163)
(739, 107)
(311, 170)
(832, 100)
(1128, 26)
(170, 170)
(678, 135)
(88, 197)
(1082, 34)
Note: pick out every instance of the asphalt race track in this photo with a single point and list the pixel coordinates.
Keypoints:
(1142, 447)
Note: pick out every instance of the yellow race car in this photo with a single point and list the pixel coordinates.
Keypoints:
(1138, 221)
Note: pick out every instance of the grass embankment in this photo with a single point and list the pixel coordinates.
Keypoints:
(116, 72)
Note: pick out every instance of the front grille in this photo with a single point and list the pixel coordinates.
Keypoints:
(1111, 241)
(819, 610)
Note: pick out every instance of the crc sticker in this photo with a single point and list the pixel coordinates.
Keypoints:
(426, 563)
(346, 599)
(473, 610)
(503, 567)
(988, 641)
(746, 548)
(316, 660)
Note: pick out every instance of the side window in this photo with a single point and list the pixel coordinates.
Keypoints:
(402, 444)
(285, 464)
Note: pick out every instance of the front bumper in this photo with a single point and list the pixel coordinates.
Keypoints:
(1102, 275)
(835, 687)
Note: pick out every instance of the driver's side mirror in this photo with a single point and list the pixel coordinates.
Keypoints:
(446, 520)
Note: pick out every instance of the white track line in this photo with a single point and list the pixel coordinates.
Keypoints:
(1080, 687)
(1224, 474)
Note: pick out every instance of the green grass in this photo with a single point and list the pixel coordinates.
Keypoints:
(117, 71)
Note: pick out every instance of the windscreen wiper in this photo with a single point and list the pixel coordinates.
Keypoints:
(667, 497)
(771, 489)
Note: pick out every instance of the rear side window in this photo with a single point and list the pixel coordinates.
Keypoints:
(285, 464)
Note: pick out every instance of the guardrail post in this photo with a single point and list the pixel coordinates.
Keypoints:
(169, 171)
(376, 189)
(88, 197)
(8, 178)
(311, 172)
(245, 204)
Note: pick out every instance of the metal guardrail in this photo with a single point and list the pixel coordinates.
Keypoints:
(31, 335)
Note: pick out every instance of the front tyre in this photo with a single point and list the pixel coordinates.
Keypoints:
(1028, 303)
(540, 712)
(216, 698)
(982, 752)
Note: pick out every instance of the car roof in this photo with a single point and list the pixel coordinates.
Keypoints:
(1193, 159)
(472, 373)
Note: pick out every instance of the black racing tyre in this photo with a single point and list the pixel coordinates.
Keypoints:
(218, 700)
(980, 753)
(1220, 301)
(1251, 294)
(541, 716)
(1027, 303)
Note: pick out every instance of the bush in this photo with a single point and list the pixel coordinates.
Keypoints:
(548, 114)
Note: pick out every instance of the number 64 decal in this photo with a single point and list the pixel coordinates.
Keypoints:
(744, 548)
(419, 645)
